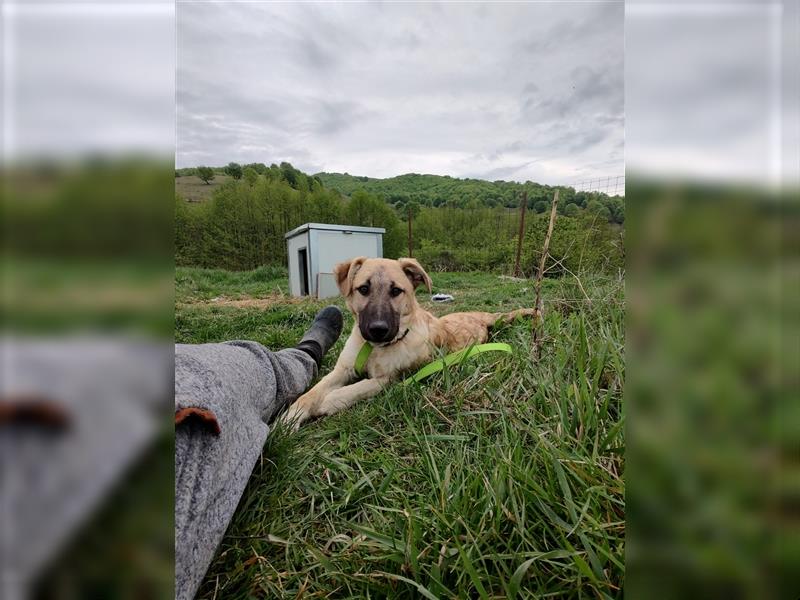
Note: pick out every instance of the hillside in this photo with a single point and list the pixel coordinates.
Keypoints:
(238, 221)
(192, 189)
(438, 190)
(425, 190)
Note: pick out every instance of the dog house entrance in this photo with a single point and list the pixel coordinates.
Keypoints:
(302, 255)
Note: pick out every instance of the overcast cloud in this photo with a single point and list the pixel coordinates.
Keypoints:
(495, 91)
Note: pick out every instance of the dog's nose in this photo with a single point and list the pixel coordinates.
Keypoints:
(378, 330)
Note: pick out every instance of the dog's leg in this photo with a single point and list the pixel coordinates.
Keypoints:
(345, 397)
(306, 405)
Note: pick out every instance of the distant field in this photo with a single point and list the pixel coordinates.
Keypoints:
(192, 188)
(501, 479)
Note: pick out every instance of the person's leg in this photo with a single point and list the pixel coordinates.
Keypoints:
(322, 334)
(225, 396)
(317, 340)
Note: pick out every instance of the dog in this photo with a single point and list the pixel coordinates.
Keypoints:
(381, 295)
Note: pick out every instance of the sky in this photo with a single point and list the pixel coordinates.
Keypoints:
(513, 91)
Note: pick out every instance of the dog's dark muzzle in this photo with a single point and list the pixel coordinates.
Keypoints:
(378, 326)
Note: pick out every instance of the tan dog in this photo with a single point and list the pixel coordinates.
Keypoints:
(380, 293)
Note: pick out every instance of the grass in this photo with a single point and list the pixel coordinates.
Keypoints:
(193, 284)
(193, 189)
(500, 479)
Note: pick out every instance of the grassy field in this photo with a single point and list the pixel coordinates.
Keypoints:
(193, 189)
(500, 479)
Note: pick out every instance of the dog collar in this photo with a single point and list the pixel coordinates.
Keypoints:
(394, 341)
(366, 350)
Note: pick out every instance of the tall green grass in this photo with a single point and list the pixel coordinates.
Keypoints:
(499, 478)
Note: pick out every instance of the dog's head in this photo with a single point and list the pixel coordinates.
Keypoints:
(380, 293)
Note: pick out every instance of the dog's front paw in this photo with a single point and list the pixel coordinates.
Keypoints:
(299, 412)
(294, 417)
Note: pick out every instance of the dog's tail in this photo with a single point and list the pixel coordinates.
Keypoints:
(514, 314)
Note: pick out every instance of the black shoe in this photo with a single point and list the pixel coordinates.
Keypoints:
(322, 334)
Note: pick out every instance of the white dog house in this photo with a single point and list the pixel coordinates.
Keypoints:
(315, 248)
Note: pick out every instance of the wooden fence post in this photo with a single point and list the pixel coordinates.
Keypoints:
(537, 320)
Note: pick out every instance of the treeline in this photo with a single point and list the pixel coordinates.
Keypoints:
(242, 226)
(437, 190)
(485, 239)
(285, 172)
(430, 190)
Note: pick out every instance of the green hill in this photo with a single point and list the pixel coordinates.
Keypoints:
(425, 190)
(438, 190)
(458, 224)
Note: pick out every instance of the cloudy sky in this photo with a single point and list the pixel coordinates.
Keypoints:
(496, 91)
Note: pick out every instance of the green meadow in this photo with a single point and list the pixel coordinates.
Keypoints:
(502, 477)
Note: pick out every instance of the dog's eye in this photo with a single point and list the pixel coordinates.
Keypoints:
(395, 292)
(363, 290)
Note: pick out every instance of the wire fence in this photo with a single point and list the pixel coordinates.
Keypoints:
(613, 185)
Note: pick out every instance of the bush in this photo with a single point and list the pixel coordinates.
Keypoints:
(250, 176)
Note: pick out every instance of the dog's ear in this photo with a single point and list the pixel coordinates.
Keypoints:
(345, 272)
(415, 273)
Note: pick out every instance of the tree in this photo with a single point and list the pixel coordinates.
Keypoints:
(290, 174)
(596, 207)
(541, 206)
(250, 176)
(296, 178)
(566, 195)
(206, 174)
(571, 209)
(234, 170)
(367, 210)
(616, 207)
(260, 168)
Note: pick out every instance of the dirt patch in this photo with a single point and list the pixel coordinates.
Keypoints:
(248, 302)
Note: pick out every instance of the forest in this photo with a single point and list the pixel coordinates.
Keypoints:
(438, 190)
(456, 224)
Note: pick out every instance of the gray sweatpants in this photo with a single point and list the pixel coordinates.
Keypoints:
(225, 396)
